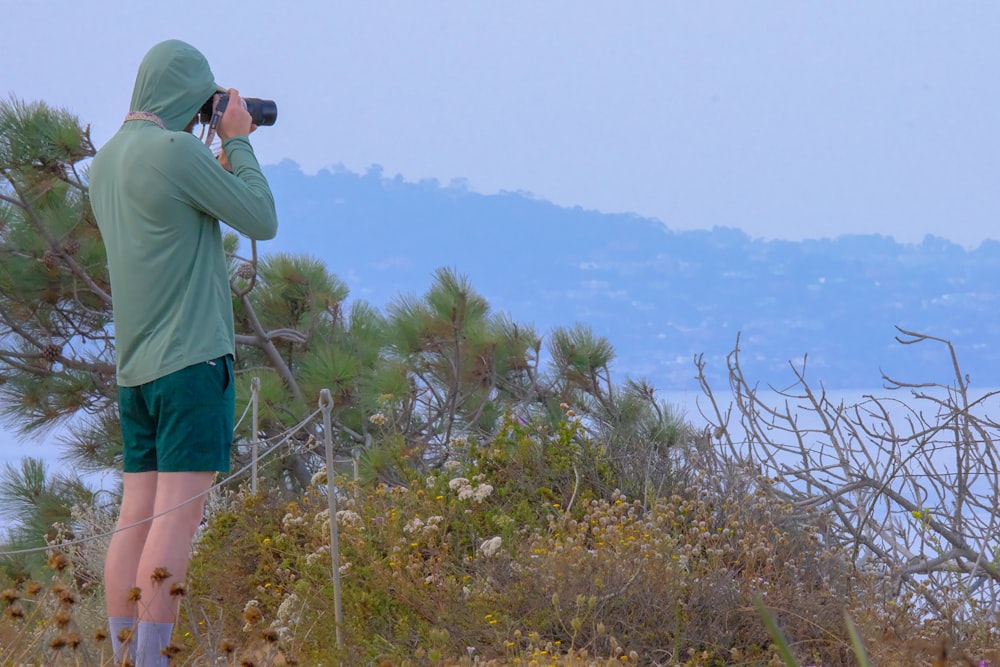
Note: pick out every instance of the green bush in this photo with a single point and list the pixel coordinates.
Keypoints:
(510, 549)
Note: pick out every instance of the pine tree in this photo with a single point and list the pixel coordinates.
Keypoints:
(56, 337)
(38, 507)
(408, 385)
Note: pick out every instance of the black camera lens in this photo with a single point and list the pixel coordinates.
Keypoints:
(263, 112)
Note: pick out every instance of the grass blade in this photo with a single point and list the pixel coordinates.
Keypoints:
(856, 643)
(772, 628)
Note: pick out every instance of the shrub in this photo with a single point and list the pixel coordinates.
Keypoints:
(509, 551)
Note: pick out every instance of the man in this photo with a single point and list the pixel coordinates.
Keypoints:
(158, 194)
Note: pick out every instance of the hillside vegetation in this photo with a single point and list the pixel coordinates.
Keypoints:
(662, 294)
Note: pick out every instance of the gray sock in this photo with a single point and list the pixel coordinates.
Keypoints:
(116, 625)
(153, 638)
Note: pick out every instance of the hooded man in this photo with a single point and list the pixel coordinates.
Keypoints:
(159, 194)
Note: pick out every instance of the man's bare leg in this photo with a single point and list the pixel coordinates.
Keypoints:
(180, 503)
(138, 498)
(124, 551)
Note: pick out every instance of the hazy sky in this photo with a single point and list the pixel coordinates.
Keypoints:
(786, 119)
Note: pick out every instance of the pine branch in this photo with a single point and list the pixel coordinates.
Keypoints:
(78, 270)
(263, 342)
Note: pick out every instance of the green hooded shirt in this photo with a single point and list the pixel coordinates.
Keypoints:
(158, 196)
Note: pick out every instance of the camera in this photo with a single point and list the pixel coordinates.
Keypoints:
(262, 112)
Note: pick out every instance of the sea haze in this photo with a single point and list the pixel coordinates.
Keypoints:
(660, 296)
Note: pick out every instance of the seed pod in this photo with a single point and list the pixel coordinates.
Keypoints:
(59, 563)
(159, 575)
(246, 271)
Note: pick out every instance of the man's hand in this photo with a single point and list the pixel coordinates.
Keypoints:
(236, 120)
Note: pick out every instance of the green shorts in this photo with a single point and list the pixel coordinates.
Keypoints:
(182, 422)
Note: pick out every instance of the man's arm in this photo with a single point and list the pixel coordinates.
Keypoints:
(242, 199)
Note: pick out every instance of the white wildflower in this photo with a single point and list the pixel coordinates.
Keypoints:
(319, 479)
(413, 525)
(458, 483)
(289, 610)
(378, 419)
(348, 518)
(482, 492)
(318, 554)
(491, 547)
(451, 465)
(465, 493)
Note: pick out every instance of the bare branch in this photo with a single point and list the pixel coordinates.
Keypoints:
(911, 492)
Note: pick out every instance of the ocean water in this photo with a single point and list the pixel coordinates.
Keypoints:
(694, 405)
(691, 404)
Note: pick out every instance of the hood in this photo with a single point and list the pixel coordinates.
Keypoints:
(174, 80)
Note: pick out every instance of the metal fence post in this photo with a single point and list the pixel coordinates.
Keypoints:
(255, 441)
(326, 405)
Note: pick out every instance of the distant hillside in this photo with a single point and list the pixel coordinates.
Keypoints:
(659, 296)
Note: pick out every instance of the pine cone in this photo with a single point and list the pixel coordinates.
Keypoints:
(50, 259)
(51, 353)
(51, 296)
(72, 247)
(246, 271)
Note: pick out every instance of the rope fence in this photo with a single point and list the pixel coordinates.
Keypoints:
(269, 445)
